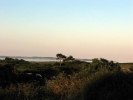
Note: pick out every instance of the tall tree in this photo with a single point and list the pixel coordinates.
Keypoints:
(60, 57)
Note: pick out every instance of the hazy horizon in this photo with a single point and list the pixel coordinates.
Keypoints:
(84, 29)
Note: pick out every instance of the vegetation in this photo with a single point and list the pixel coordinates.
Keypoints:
(60, 57)
(68, 79)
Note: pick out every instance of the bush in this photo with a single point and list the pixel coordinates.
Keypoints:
(110, 86)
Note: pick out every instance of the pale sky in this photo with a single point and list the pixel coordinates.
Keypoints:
(81, 28)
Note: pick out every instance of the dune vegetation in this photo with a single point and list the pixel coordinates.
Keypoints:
(68, 79)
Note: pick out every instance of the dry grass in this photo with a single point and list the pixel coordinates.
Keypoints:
(126, 65)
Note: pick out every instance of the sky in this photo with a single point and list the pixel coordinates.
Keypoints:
(81, 28)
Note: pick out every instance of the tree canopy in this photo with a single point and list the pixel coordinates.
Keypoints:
(60, 57)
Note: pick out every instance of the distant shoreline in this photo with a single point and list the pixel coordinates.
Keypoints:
(28, 57)
(39, 59)
(45, 59)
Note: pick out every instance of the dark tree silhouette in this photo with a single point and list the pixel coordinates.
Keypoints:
(69, 58)
(60, 57)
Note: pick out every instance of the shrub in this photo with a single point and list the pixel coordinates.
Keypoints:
(109, 86)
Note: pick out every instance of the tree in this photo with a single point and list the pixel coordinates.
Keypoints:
(95, 65)
(70, 58)
(104, 62)
(60, 57)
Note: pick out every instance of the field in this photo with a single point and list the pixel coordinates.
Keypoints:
(68, 80)
(126, 65)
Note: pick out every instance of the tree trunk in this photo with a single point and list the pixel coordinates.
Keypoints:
(60, 62)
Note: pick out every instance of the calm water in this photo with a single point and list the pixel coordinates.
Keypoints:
(41, 59)
(37, 59)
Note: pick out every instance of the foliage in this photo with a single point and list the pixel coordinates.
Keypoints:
(109, 86)
(60, 57)
(73, 80)
(103, 63)
(69, 58)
